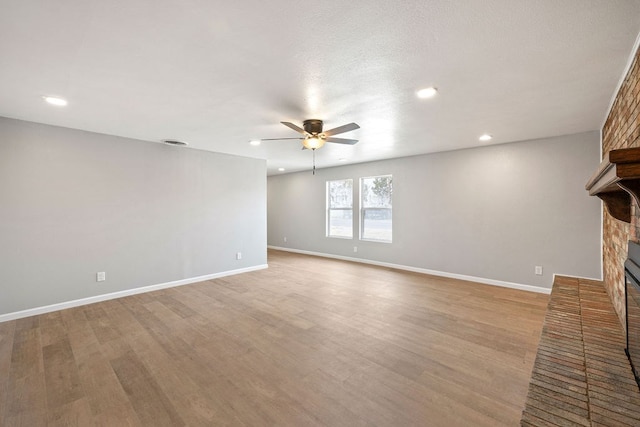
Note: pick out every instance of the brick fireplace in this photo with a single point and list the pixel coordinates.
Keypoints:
(621, 130)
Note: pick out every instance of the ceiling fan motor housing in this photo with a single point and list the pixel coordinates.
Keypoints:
(313, 126)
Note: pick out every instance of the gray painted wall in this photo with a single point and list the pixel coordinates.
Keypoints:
(492, 212)
(73, 203)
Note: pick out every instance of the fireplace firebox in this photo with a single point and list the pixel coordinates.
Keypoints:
(632, 297)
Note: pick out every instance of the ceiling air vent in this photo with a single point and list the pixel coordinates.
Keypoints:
(174, 142)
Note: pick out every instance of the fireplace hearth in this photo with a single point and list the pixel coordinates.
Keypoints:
(581, 375)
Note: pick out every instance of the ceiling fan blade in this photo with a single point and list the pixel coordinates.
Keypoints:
(341, 129)
(342, 140)
(294, 127)
(277, 139)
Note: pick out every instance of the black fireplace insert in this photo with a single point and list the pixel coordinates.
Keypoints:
(632, 297)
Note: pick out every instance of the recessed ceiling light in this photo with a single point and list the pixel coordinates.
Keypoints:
(485, 137)
(281, 169)
(342, 160)
(53, 100)
(255, 142)
(174, 142)
(428, 92)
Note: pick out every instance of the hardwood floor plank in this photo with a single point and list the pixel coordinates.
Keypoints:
(99, 321)
(74, 414)
(363, 407)
(26, 398)
(61, 375)
(52, 328)
(328, 409)
(27, 402)
(416, 402)
(173, 304)
(79, 331)
(149, 401)
(121, 416)
(26, 357)
(100, 383)
(7, 331)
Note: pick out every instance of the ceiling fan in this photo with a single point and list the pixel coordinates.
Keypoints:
(314, 137)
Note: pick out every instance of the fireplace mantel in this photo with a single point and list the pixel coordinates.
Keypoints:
(616, 181)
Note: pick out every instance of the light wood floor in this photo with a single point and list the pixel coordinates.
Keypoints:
(307, 342)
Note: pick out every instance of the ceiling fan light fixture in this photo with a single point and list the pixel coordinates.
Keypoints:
(313, 142)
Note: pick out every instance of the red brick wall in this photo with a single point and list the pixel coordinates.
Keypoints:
(621, 130)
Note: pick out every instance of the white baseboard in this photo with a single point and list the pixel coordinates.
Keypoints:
(482, 280)
(120, 294)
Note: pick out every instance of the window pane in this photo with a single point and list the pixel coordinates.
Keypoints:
(376, 192)
(341, 223)
(376, 208)
(377, 224)
(340, 208)
(340, 193)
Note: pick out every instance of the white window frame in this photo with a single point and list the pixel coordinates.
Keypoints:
(363, 210)
(329, 209)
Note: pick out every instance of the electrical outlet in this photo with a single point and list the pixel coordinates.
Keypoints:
(101, 276)
(238, 255)
(538, 270)
(355, 249)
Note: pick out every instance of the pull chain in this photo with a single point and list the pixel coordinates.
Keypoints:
(314, 161)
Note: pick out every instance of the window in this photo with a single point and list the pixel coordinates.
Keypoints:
(340, 208)
(376, 208)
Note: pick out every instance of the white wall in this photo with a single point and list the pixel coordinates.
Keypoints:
(492, 212)
(73, 203)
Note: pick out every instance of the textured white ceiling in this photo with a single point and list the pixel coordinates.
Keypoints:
(217, 73)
